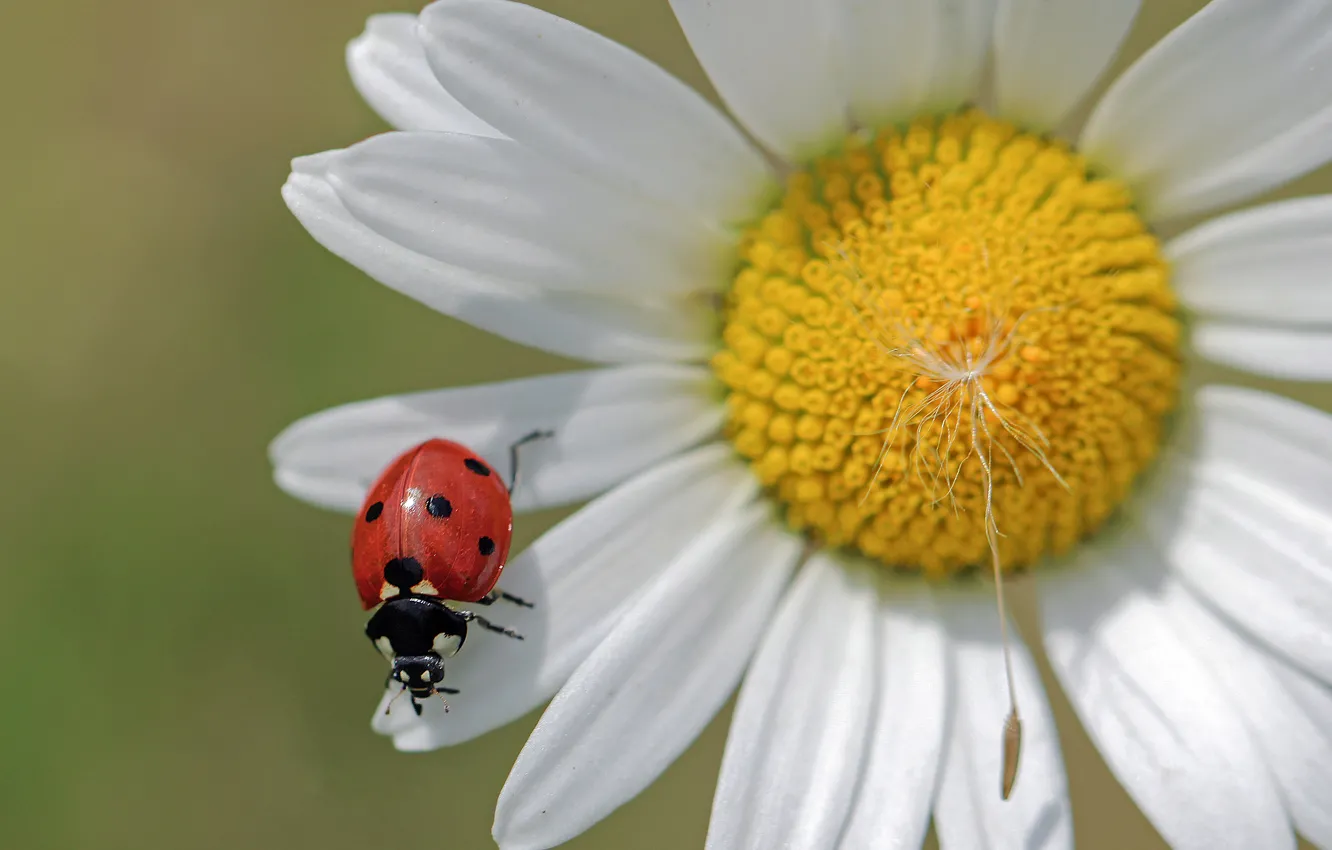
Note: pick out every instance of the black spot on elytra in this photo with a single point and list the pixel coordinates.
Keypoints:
(485, 545)
(438, 506)
(372, 513)
(403, 573)
(477, 466)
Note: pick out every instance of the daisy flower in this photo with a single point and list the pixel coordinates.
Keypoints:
(878, 330)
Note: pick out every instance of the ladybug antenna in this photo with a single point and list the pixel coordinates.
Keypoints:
(441, 699)
(389, 707)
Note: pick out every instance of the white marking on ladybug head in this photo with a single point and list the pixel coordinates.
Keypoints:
(387, 591)
(425, 675)
(402, 674)
(446, 645)
(385, 647)
(424, 588)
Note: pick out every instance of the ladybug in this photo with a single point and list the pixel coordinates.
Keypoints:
(435, 528)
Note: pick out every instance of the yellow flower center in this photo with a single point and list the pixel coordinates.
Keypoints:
(947, 343)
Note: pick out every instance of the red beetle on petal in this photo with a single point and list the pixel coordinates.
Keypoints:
(435, 526)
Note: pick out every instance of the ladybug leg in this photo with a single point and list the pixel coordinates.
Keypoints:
(447, 690)
(494, 595)
(471, 616)
(513, 454)
(509, 597)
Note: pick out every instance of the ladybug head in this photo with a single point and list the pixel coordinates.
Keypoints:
(419, 673)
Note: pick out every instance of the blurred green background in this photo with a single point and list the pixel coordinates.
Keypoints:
(183, 665)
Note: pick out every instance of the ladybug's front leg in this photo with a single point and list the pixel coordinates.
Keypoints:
(471, 616)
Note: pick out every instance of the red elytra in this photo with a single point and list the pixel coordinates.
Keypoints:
(439, 506)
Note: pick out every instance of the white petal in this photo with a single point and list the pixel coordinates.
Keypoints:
(1230, 104)
(1296, 739)
(1263, 272)
(970, 813)
(1296, 354)
(796, 744)
(498, 209)
(907, 57)
(1268, 264)
(647, 691)
(580, 574)
(1310, 807)
(1047, 56)
(388, 67)
(599, 108)
(1257, 553)
(1280, 442)
(892, 804)
(1150, 705)
(608, 424)
(1272, 438)
(590, 327)
(775, 65)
